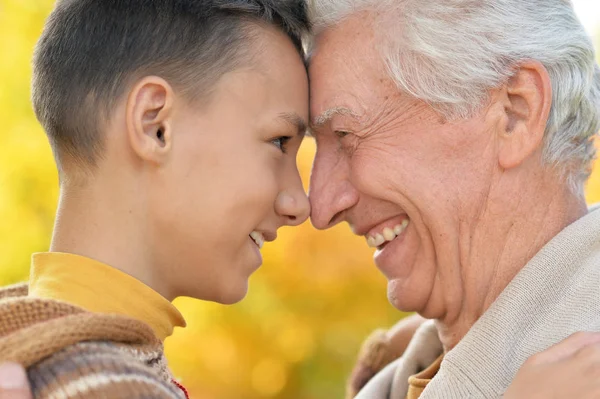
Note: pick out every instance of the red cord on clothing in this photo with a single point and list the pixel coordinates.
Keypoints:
(182, 388)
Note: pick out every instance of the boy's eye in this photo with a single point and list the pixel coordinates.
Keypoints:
(281, 142)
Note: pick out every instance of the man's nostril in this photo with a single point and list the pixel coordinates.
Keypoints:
(335, 219)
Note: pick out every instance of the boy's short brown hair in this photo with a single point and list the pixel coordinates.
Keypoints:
(91, 50)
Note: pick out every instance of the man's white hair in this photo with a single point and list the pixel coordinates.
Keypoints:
(450, 53)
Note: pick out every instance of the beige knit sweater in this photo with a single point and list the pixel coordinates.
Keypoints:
(70, 353)
(555, 295)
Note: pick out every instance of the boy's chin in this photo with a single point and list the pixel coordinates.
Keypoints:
(233, 294)
(227, 291)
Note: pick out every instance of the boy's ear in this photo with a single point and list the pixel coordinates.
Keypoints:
(149, 113)
(527, 98)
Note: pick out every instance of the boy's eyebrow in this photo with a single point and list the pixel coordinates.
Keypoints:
(295, 120)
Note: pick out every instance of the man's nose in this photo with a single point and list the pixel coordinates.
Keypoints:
(331, 192)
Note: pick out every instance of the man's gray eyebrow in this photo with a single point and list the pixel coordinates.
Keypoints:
(330, 113)
(295, 120)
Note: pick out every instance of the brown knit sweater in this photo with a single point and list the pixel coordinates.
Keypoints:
(72, 353)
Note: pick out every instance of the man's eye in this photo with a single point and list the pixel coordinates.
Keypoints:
(341, 133)
(281, 142)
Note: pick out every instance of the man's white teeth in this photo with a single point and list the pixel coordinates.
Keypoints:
(388, 234)
(258, 238)
(397, 230)
(379, 239)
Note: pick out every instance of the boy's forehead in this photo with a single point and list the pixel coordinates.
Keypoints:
(298, 123)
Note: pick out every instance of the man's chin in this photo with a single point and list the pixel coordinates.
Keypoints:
(407, 297)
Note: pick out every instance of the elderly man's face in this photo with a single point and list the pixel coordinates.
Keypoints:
(384, 159)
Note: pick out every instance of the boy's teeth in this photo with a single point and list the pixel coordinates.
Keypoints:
(258, 238)
(388, 234)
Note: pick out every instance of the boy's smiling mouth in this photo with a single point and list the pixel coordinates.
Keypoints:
(258, 238)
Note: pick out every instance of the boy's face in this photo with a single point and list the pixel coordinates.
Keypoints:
(231, 175)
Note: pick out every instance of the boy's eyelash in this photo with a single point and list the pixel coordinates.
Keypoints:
(283, 140)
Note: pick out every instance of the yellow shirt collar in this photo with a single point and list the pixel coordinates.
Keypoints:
(99, 288)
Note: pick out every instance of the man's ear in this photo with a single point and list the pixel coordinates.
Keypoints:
(527, 101)
(149, 113)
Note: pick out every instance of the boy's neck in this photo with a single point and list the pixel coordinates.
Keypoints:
(109, 226)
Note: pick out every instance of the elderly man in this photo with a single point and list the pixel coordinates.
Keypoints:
(456, 137)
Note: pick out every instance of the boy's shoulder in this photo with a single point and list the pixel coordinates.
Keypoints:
(95, 355)
(100, 369)
(12, 291)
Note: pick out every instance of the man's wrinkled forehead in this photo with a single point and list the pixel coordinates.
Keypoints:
(343, 67)
(335, 93)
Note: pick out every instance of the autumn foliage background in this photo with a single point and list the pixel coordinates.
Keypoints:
(297, 333)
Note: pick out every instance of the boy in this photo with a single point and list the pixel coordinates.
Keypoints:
(174, 125)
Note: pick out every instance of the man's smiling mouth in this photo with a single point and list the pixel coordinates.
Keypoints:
(379, 238)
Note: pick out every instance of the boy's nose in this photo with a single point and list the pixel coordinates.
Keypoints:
(293, 207)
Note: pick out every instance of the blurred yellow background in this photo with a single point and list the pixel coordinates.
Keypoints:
(317, 296)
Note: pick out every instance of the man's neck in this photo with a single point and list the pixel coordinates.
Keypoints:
(507, 235)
